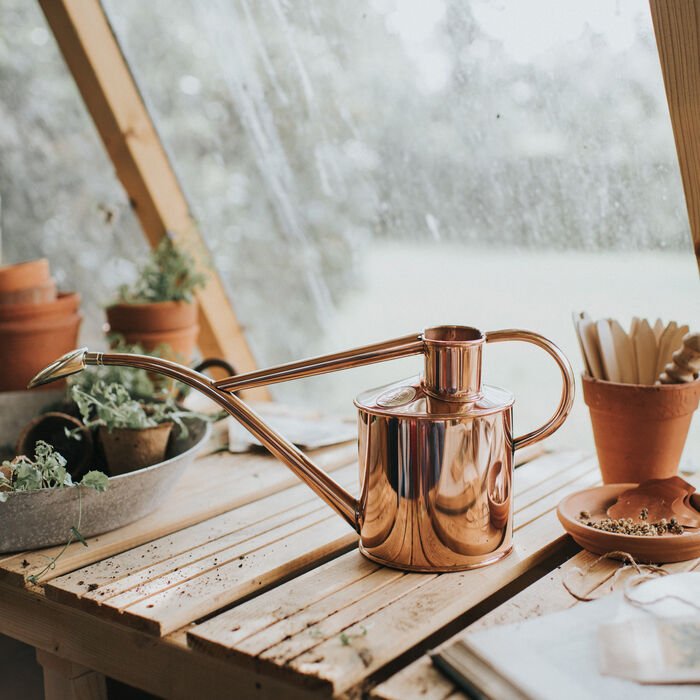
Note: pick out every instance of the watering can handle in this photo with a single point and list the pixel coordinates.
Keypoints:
(567, 375)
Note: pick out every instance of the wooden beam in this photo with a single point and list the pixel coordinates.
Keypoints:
(677, 29)
(112, 97)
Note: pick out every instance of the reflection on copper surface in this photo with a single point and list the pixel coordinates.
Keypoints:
(435, 451)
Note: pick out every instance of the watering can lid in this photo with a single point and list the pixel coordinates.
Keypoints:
(408, 398)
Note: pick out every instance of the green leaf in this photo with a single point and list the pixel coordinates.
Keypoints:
(95, 480)
(78, 536)
(27, 476)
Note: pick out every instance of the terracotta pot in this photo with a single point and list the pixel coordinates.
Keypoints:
(639, 431)
(28, 346)
(169, 323)
(51, 427)
(24, 275)
(40, 294)
(64, 305)
(129, 449)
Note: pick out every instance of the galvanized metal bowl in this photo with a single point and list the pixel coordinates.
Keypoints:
(43, 518)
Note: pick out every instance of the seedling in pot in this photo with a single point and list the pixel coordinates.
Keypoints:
(142, 385)
(159, 308)
(133, 434)
(170, 274)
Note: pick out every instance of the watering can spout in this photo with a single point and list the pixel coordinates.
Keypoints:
(71, 363)
(323, 485)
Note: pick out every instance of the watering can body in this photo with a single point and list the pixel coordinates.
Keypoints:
(435, 486)
(435, 451)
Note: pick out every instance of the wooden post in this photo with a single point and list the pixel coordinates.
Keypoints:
(64, 680)
(677, 29)
(111, 95)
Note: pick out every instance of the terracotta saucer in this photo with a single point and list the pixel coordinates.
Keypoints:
(658, 549)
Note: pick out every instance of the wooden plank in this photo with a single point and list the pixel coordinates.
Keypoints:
(553, 476)
(213, 485)
(536, 474)
(549, 501)
(110, 93)
(342, 637)
(677, 30)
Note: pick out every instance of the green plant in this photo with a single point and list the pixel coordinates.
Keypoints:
(112, 406)
(47, 470)
(169, 274)
(141, 384)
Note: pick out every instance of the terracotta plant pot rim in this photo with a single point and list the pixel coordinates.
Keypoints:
(31, 273)
(39, 325)
(64, 304)
(644, 387)
(651, 402)
(44, 293)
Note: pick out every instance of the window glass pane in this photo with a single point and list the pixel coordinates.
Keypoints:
(59, 195)
(361, 170)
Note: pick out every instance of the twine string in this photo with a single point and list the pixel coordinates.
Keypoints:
(647, 571)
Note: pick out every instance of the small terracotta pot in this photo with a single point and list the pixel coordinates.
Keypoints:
(165, 323)
(51, 427)
(129, 449)
(24, 275)
(639, 430)
(40, 294)
(64, 305)
(28, 346)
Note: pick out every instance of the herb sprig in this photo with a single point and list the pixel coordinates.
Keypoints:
(47, 470)
(111, 406)
(170, 274)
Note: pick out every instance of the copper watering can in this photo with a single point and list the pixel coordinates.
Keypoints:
(435, 451)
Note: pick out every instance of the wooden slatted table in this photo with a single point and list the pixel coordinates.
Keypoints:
(246, 585)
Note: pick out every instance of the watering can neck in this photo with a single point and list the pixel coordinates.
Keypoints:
(453, 363)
